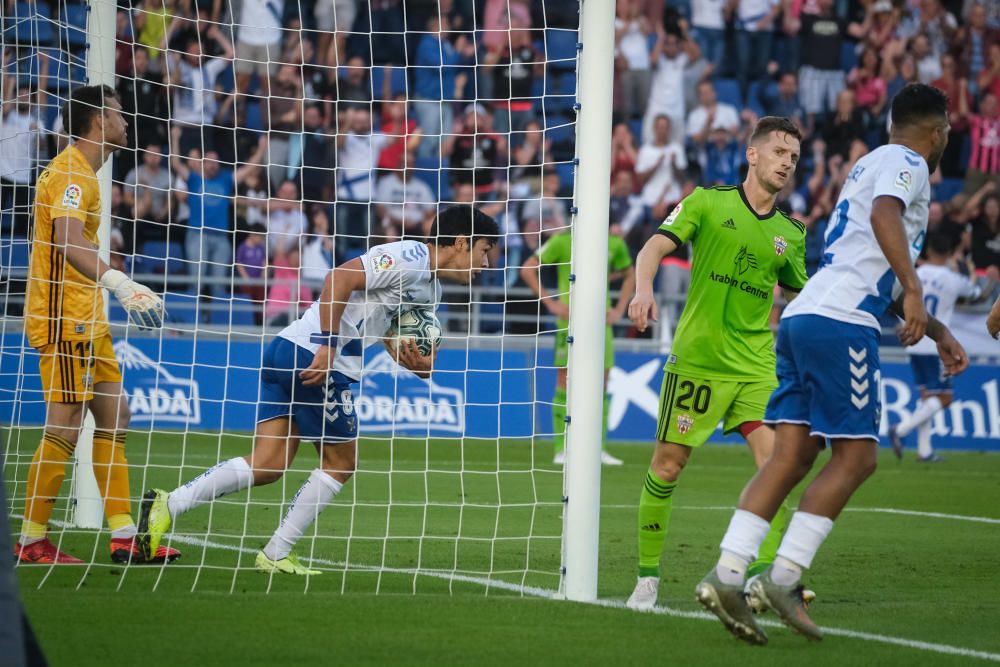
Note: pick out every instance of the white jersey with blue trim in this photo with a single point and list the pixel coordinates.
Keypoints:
(855, 283)
(942, 288)
(397, 277)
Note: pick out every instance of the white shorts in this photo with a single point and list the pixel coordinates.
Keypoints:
(259, 58)
(337, 15)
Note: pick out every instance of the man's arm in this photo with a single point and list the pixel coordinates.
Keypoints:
(530, 274)
(993, 319)
(628, 287)
(887, 225)
(643, 306)
(340, 283)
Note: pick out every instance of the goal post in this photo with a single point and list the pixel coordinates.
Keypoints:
(589, 289)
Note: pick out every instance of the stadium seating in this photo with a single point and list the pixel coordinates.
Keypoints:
(560, 48)
(728, 91)
(29, 24)
(74, 28)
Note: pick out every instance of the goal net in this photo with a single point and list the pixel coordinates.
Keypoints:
(269, 141)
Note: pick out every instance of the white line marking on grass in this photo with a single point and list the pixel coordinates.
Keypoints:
(859, 510)
(549, 594)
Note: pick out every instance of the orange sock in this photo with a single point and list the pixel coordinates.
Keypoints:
(111, 471)
(45, 476)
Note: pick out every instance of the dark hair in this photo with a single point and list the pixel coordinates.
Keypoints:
(916, 103)
(463, 220)
(939, 242)
(85, 104)
(769, 124)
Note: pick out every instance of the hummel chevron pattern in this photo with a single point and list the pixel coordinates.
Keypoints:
(859, 390)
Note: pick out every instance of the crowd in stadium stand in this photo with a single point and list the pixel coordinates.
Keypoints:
(262, 130)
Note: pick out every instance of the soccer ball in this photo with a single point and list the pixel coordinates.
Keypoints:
(420, 325)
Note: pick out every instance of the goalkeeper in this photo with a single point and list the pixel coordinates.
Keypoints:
(558, 251)
(65, 322)
(721, 367)
(308, 370)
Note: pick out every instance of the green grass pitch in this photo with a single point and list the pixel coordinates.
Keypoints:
(917, 580)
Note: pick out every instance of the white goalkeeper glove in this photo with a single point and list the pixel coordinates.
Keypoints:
(144, 308)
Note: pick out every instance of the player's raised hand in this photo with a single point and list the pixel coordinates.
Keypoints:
(144, 308)
(315, 374)
(642, 310)
(915, 320)
(952, 355)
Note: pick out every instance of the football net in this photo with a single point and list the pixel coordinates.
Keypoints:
(269, 141)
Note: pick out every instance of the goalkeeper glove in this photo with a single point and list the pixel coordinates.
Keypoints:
(144, 308)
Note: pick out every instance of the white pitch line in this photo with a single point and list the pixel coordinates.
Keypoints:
(859, 510)
(549, 594)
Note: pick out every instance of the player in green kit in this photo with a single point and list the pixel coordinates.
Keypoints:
(721, 367)
(558, 251)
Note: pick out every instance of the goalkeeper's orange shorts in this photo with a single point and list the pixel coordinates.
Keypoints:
(71, 368)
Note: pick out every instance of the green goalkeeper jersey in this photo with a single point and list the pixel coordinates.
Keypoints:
(558, 250)
(738, 257)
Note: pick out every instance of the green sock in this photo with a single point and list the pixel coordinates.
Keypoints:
(559, 419)
(769, 547)
(604, 424)
(654, 514)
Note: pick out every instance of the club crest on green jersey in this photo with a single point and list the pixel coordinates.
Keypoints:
(779, 245)
(684, 423)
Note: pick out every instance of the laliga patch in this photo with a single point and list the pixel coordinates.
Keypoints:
(904, 180)
(383, 262)
(779, 245)
(673, 214)
(684, 423)
(72, 196)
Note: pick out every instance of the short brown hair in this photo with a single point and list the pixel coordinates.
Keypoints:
(769, 124)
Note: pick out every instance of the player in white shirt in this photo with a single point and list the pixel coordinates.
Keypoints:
(308, 370)
(943, 287)
(828, 367)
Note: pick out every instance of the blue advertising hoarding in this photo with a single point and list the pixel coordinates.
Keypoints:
(207, 385)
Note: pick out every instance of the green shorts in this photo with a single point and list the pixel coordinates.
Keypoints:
(560, 351)
(691, 408)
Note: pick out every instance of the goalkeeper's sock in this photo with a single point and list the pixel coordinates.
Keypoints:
(559, 419)
(924, 448)
(769, 547)
(45, 476)
(926, 409)
(219, 480)
(308, 502)
(111, 471)
(655, 504)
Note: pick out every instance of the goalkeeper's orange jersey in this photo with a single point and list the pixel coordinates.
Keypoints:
(63, 304)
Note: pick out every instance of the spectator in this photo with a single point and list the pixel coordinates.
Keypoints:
(123, 244)
(354, 89)
(905, 73)
(514, 66)
(194, 95)
(710, 114)
(334, 20)
(697, 70)
(632, 58)
(868, 86)
(438, 81)
(544, 214)
(401, 133)
(208, 245)
(708, 23)
(986, 235)
(989, 78)
(959, 102)
(379, 30)
(18, 156)
(148, 195)
(933, 21)
(721, 159)
(783, 101)
(526, 160)
(251, 260)
(476, 151)
(667, 90)
(498, 17)
(283, 119)
(252, 193)
(928, 62)
(755, 22)
(317, 256)
(287, 296)
(845, 129)
(285, 221)
(313, 153)
(357, 154)
(660, 165)
(403, 203)
(623, 151)
(626, 210)
(984, 128)
(144, 102)
(258, 43)
(151, 21)
(973, 43)
(820, 77)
